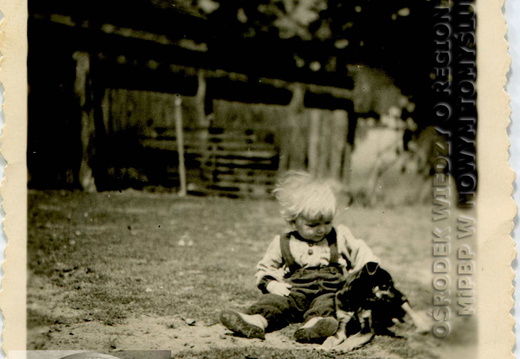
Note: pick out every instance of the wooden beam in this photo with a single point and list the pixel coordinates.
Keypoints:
(338, 139)
(292, 145)
(180, 146)
(157, 52)
(234, 76)
(83, 93)
(314, 141)
(200, 100)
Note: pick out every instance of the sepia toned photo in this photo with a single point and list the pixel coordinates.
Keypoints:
(258, 179)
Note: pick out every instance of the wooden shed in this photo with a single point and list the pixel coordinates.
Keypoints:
(126, 98)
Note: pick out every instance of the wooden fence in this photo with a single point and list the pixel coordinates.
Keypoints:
(241, 150)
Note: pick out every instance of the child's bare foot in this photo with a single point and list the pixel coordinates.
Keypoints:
(242, 324)
(316, 329)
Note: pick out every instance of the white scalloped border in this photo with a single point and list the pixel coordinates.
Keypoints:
(13, 189)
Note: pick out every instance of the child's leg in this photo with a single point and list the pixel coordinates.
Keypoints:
(270, 312)
(249, 326)
(278, 310)
(319, 320)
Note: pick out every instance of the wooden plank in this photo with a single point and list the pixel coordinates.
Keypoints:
(231, 136)
(347, 156)
(260, 154)
(245, 172)
(234, 186)
(288, 130)
(314, 141)
(194, 149)
(84, 94)
(299, 141)
(200, 100)
(105, 110)
(230, 163)
(180, 146)
(338, 139)
(325, 143)
(246, 179)
(267, 173)
(240, 146)
(153, 144)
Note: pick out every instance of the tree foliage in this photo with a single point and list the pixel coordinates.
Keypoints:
(321, 37)
(381, 32)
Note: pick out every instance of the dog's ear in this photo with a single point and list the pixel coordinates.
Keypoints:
(386, 275)
(371, 267)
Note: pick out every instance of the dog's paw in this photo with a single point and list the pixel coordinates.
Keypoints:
(423, 323)
(331, 342)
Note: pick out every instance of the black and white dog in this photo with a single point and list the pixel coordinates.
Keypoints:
(369, 304)
(370, 297)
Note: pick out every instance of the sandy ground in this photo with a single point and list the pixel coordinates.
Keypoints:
(89, 287)
(175, 334)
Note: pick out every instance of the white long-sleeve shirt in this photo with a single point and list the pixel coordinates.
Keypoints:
(353, 254)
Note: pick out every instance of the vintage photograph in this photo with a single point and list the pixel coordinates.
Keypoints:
(254, 179)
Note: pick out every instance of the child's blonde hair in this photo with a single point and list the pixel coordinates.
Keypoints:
(299, 193)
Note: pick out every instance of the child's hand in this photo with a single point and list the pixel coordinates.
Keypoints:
(280, 288)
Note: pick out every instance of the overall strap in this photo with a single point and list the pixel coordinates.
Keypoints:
(333, 245)
(287, 256)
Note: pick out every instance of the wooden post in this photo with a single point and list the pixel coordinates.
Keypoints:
(347, 159)
(200, 100)
(169, 114)
(349, 145)
(180, 145)
(202, 121)
(325, 145)
(290, 135)
(314, 141)
(105, 109)
(82, 89)
(338, 139)
(299, 140)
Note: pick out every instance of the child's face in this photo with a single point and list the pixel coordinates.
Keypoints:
(313, 230)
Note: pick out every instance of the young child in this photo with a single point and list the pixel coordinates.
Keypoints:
(302, 270)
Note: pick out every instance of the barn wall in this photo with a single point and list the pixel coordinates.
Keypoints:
(315, 140)
(128, 111)
(140, 142)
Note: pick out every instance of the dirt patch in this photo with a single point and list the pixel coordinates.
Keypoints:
(171, 333)
(122, 271)
(183, 336)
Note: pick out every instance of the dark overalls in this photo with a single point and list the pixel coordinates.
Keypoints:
(312, 292)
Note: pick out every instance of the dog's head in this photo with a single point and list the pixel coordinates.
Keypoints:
(371, 284)
(378, 281)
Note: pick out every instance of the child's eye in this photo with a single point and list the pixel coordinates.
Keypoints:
(312, 225)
